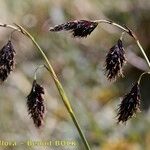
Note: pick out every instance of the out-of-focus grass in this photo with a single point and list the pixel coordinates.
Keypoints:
(79, 65)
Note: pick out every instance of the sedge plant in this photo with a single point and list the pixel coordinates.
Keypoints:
(114, 62)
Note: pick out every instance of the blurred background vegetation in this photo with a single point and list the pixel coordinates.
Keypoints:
(79, 65)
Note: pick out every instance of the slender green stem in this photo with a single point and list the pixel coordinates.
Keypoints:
(55, 78)
(35, 72)
(122, 34)
(140, 77)
(131, 33)
(143, 52)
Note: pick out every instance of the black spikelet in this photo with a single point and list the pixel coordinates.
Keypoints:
(7, 60)
(79, 28)
(130, 104)
(115, 60)
(35, 104)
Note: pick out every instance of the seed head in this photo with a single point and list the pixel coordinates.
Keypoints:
(79, 28)
(35, 104)
(7, 60)
(130, 104)
(115, 60)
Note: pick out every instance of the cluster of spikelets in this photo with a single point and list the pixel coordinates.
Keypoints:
(7, 60)
(35, 101)
(114, 62)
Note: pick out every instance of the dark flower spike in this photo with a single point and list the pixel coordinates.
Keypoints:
(115, 60)
(35, 104)
(130, 104)
(79, 28)
(7, 60)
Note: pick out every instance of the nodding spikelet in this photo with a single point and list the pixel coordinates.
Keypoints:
(115, 60)
(79, 28)
(130, 104)
(7, 60)
(35, 104)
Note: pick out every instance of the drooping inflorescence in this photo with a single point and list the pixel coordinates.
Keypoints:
(79, 28)
(115, 60)
(35, 104)
(7, 60)
(130, 104)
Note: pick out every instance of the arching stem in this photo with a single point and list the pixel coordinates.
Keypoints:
(131, 33)
(55, 78)
(140, 77)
